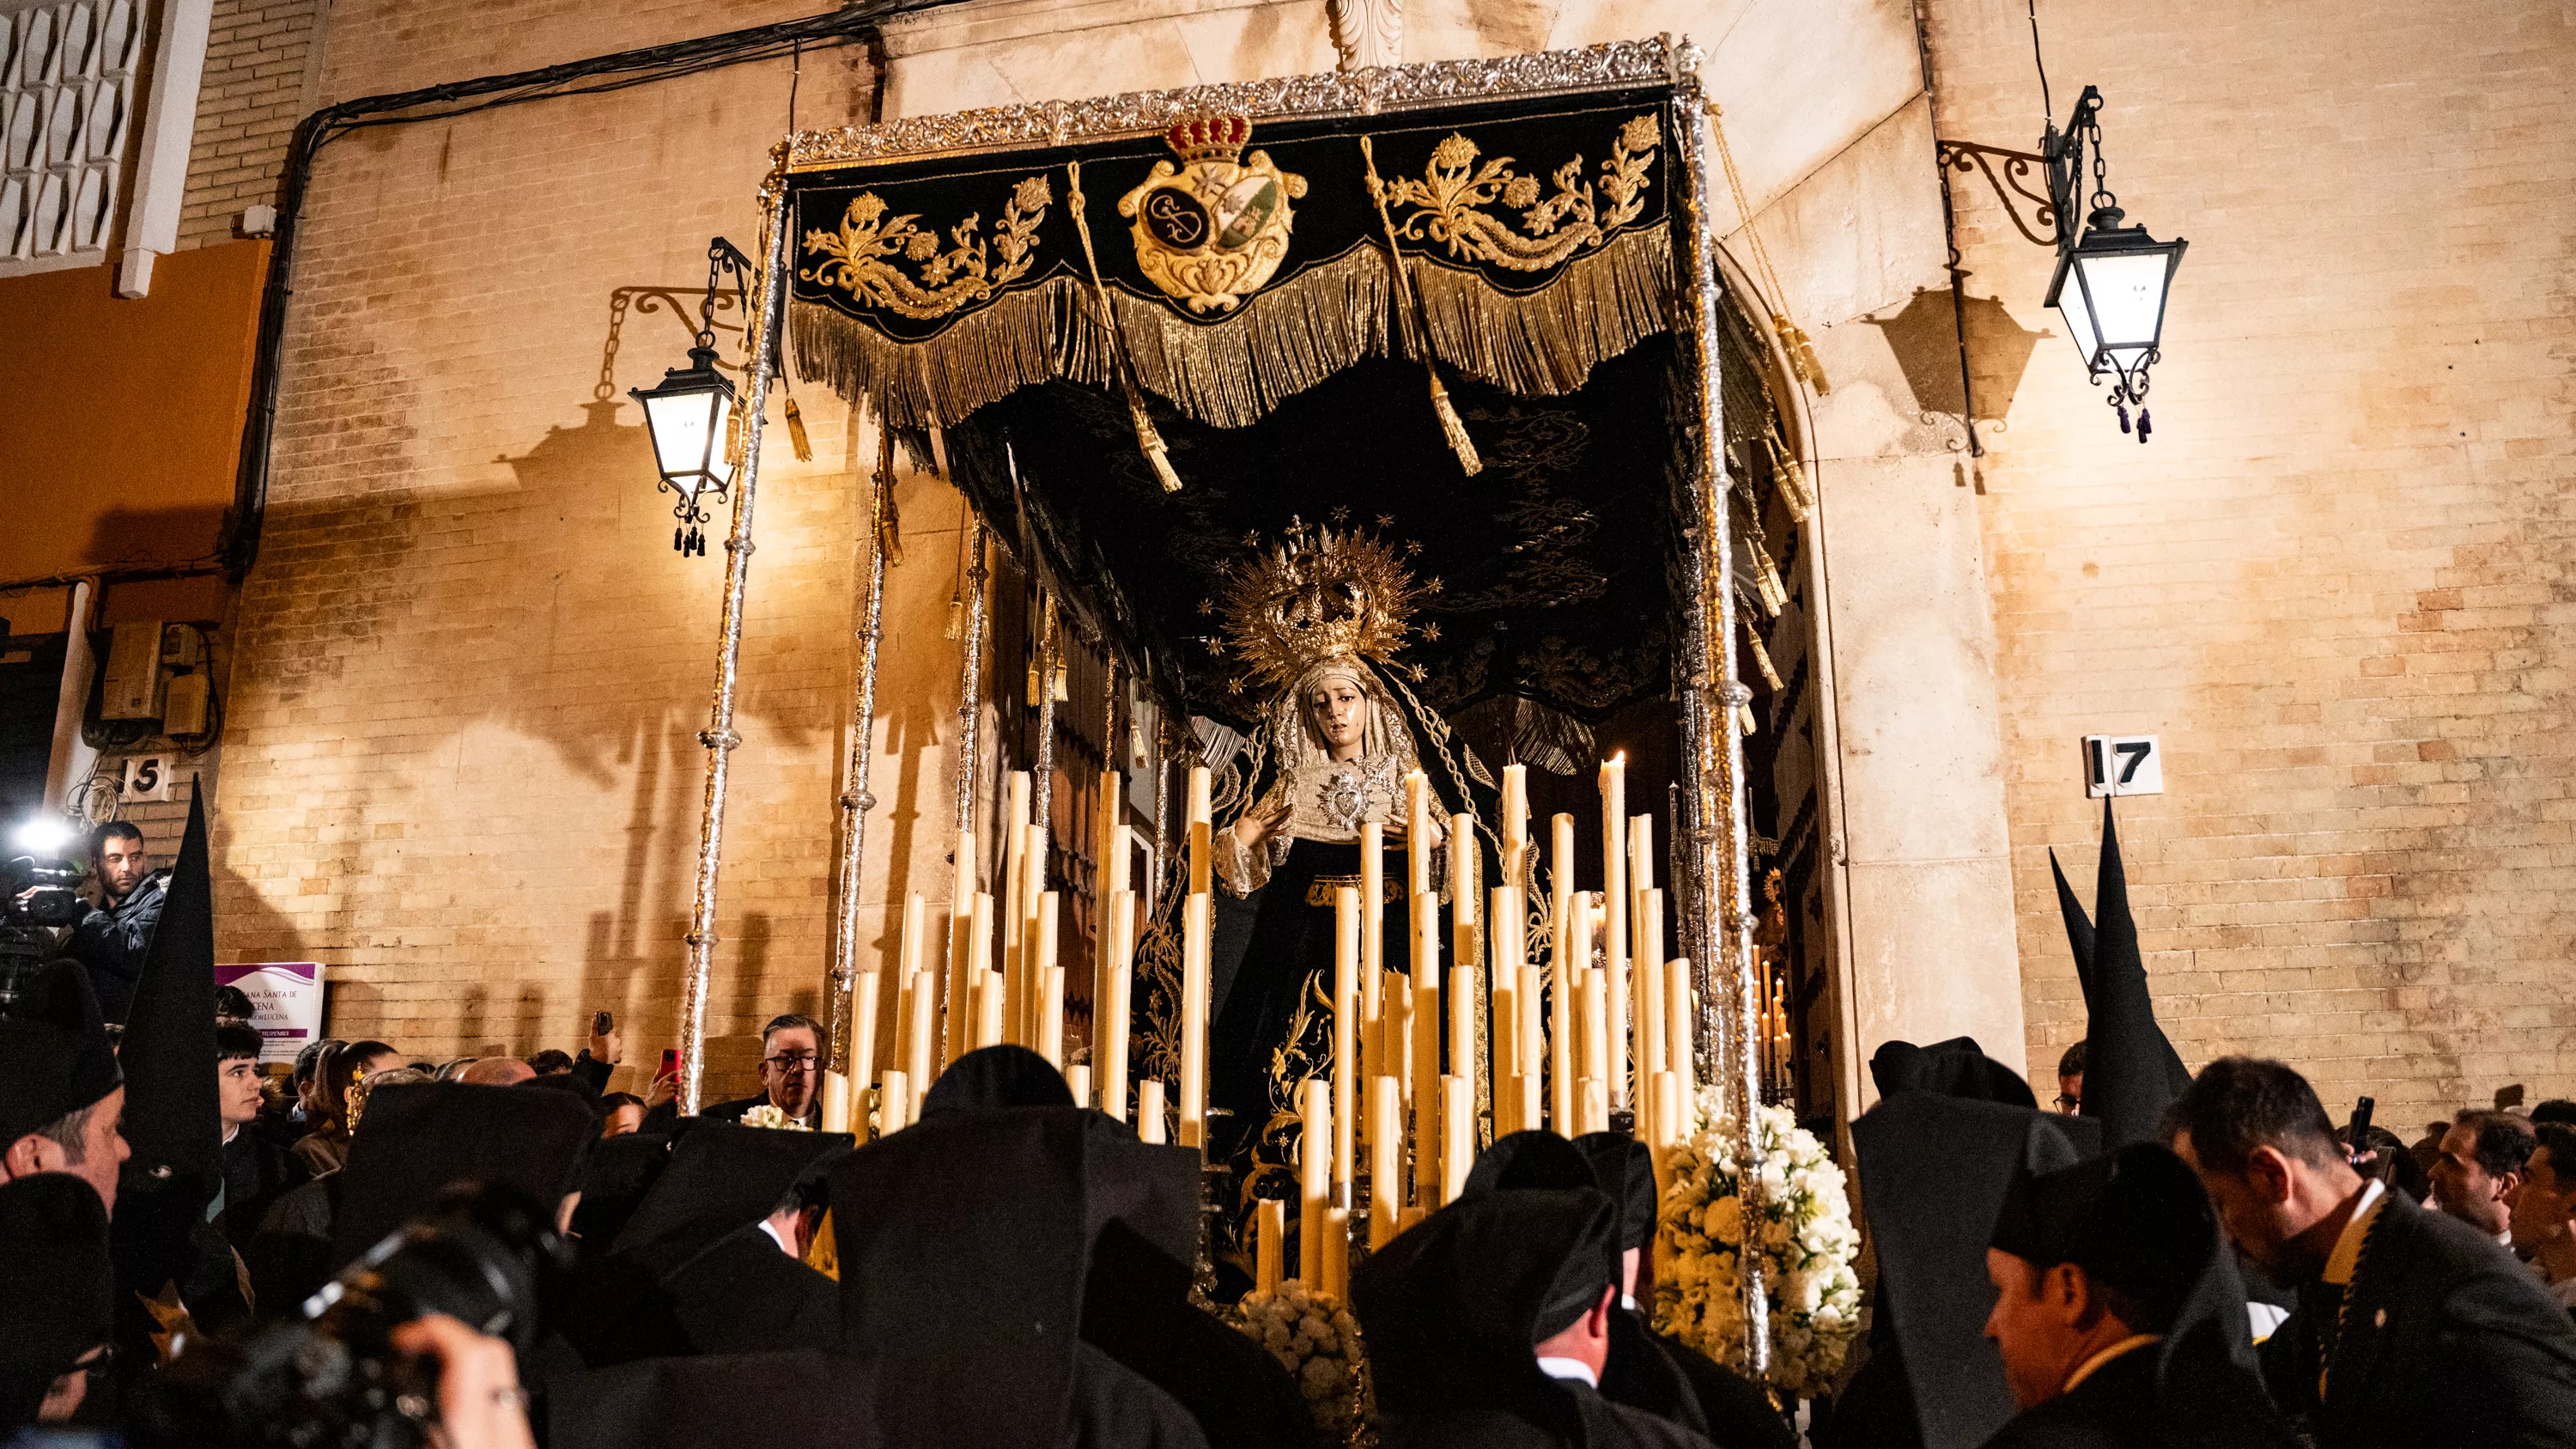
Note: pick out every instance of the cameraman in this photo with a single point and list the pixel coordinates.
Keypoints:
(113, 940)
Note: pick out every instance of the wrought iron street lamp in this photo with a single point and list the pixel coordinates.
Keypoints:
(2111, 280)
(2110, 285)
(693, 418)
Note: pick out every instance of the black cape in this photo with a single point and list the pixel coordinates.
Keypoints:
(767, 1400)
(419, 1139)
(1000, 1210)
(1452, 1311)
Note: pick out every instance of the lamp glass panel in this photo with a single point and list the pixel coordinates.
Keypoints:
(2079, 322)
(2127, 291)
(685, 430)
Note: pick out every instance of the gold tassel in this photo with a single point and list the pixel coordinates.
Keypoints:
(1453, 427)
(796, 438)
(1745, 722)
(1056, 684)
(1794, 492)
(1802, 354)
(956, 619)
(1766, 579)
(1157, 452)
(1762, 656)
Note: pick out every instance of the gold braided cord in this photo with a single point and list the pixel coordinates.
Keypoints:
(1802, 352)
(1148, 438)
(1405, 301)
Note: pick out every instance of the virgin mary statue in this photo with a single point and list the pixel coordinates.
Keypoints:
(1318, 618)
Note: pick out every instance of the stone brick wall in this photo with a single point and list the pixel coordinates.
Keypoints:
(262, 57)
(462, 768)
(2334, 583)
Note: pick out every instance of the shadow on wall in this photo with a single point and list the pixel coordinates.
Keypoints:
(1924, 336)
(126, 537)
(519, 607)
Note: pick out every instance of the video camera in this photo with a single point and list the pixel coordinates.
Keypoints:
(50, 899)
(329, 1378)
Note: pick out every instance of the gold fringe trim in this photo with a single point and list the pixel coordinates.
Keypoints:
(1288, 338)
(1285, 339)
(1544, 344)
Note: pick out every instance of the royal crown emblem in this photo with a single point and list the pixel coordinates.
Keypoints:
(1211, 230)
(1318, 594)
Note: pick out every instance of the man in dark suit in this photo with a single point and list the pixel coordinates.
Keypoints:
(791, 1074)
(2412, 1328)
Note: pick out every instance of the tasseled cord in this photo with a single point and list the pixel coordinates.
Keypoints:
(1452, 426)
(1148, 437)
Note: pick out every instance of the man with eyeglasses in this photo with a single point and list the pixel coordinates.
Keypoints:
(791, 1073)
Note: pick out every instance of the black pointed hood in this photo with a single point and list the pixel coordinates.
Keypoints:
(719, 1401)
(421, 1138)
(997, 1076)
(724, 1177)
(966, 1242)
(55, 1057)
(2131, 1071)
(1626, 1170)
(1934, 1170)
(1954, 1068)
(1453, 1309)
(2079, 928)
(172, 1119)
(1523, 1161)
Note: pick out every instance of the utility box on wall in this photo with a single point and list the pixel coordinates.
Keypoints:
(133, 679)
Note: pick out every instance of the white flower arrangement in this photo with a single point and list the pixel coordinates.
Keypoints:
(1317, 1340)
(1807, 1239)
(768, 1115)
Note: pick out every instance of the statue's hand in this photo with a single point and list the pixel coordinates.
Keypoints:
(1255, 826)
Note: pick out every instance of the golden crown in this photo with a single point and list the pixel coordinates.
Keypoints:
(1209, 138)
(1317, 595)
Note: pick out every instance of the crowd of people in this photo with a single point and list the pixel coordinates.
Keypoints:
(189, 1254)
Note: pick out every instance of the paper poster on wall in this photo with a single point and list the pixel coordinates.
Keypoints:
(285, 1003)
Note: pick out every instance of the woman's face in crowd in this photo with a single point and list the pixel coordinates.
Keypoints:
(1339, 712)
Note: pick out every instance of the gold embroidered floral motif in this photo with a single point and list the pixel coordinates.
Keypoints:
(864, 257)
(1448, 202)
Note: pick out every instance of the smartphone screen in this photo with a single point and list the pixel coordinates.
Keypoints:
(601, 1023)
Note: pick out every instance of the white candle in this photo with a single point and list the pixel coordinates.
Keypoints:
(1507, 1062)
(1425, 1017)
(1270, 1238)
(1337, 1252)
(923, 1019)
(1372, 946)
(1614, 906)
(1107, 878)
(1386, 1153)
(1314, 1176)
(1457, 1136)
(1533, 1052)
(1596, 1105)
(1669, 1126)
(1149, 1112)
(1562, 962)
(901, 1058)
(1515, 821)
(863, 1044)
(1045, 1034)
(1678, 1026)
(1395, 1034)
(1015, 815)
(1346, 985)
(1201, 841)
(913, 946)
(836, 1101)
(1077, 1079)
(1649, 960)
(988, 1009)
(1195, 920)
(1596, 1026)
(961, 936)
(1417, 832)
(1109, 1034)
(894, 1104)
(1461, 1001)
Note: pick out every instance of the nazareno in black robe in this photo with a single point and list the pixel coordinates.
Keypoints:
(967, 1245)
(1452, 1312)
